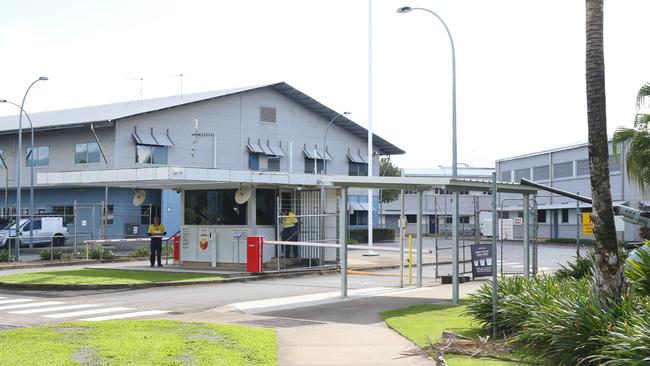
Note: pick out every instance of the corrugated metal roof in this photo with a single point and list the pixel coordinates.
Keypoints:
(116, 111)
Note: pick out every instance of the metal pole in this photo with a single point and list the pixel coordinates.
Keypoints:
(577, 227)
(31, 190)
(322, 223)
(343, 218)
(401, 241)
(436, 231)
(370, 161)
(494, 255)
(526, 237)
(419, 233)
(74, 212)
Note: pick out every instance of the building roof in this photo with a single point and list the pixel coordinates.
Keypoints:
(115, 111)
(551, 150)
(446, 172)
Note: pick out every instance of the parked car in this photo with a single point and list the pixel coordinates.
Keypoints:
(46, 230)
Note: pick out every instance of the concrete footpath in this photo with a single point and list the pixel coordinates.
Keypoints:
(326, 329)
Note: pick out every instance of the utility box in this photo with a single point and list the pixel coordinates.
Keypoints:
(254, 255)
(131, 230)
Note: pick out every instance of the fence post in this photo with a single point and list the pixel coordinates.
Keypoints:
(74, 217)
(526, 237)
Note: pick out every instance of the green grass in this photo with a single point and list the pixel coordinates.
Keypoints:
(139, 342)
(422, 322)
(103, 277)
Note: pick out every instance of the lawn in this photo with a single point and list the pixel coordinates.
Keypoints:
(422, 322)
(103, 277)
(138, 342)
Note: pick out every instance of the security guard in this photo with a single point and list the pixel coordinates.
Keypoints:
(290, 232)
(156, 232)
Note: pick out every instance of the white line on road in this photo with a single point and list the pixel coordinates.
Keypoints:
(126, 315)
(86, 312)
(56, 308)
(13, 301)
(30, 305)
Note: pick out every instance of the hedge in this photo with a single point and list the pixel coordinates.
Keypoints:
(378, 234)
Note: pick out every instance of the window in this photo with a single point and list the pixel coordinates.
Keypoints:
(309, 165)
(541, 216)
(267, 114)
(582, 167)
(265, 206)
(505, 176)
(67, 212)
(541, 173)
(253, 161)
(357, 169)
(86, 153)
(411, 219)
(146, 216)
(109, 214)
(41, 156)
(463, 219)
(449, 220)
(522, 173)
(273, 163)
(614, 164)
(359, 218)
(565, 215)
(151, 154)
(563, 170)
(214, 207)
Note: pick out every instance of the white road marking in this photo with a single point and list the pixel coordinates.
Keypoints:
(125, 315)
(13, 301)
(86, 312)
(56, 308)
(30, 305)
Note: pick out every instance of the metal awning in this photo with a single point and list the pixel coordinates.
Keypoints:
(316, 154)
(425, 183)
(276, 150)
(255, 148)
(162, 137)
(144, 138)
(356, 157)
(357, 206)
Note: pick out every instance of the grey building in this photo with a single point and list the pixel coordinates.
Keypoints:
(273, 128)
(567, 168)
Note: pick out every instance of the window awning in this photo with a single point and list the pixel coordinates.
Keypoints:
(255, 148)
(356, 157)
(162, 137)
(144, 138)
(275, 149)
(357, 206)
(316, 154)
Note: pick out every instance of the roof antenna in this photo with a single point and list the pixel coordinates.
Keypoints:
(180, 77)
(140, 92)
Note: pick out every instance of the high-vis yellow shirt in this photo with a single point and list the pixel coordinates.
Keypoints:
(156, 230)
(290, 220)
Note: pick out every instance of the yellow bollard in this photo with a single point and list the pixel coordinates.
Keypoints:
(86, 250)
(410, 259)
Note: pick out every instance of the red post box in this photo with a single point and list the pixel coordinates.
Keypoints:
(254, 258)
(177, 248)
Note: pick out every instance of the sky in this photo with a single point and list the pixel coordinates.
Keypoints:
(520, 63)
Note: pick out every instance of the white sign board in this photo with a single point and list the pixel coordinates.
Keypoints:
(84, 222)
(518, 221)
(619, 223)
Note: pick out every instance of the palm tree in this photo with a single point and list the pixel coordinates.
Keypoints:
(635, 142)
(608, 278)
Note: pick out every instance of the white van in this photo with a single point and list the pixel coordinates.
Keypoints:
(46, 230)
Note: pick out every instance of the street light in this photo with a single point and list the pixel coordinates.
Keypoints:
(325, 138)
(31, 181)
(454, 174)
(18, 159)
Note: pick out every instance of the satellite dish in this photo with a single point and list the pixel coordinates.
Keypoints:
(139, 196)
(243, 195)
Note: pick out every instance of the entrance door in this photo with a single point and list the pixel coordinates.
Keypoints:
(555, 224)
(433, 224)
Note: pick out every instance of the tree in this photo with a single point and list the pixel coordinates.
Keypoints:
(608, 279)
(388, 169)
(635, 142)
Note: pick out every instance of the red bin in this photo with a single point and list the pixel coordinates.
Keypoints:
(254, 258)
(177, 248)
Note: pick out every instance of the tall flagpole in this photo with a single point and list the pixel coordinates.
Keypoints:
(370, 161)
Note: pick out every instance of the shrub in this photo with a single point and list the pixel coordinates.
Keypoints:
(580, 269)
(637, 271)
(4, 256)
(142, 251)
(378, 234)
(55, 255)
(168, 250)
(569, 241)
(644, 233)
(103, 253)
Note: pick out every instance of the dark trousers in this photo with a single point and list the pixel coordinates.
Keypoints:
(156, 251)
(290, 234)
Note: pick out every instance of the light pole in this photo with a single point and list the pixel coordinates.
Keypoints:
(18, 164)
(325, 138)
(31, 181)
(454, 170)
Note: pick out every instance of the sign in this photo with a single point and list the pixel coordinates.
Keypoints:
(619, 223)
(518, 221)
(84, 222)
(481, 260)
(587, 226)
(135, 230)
(185, 238)
(204, 236)
(506, 229)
